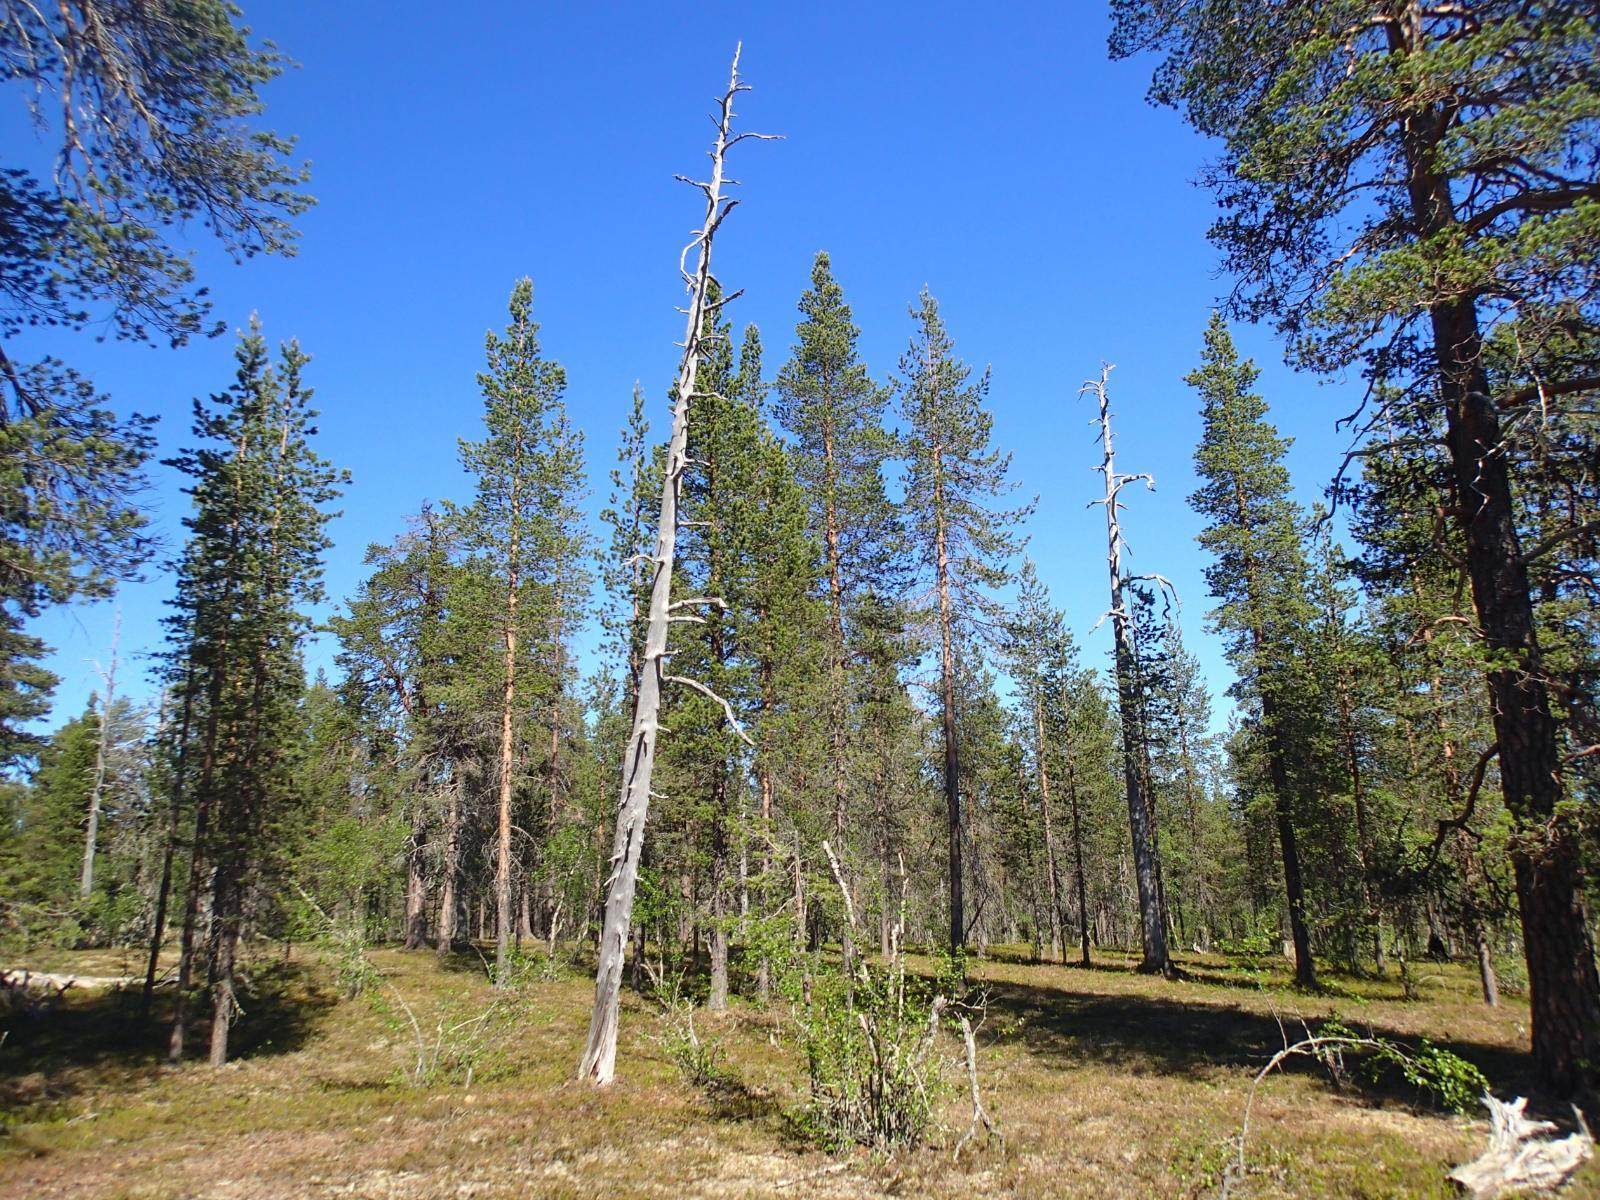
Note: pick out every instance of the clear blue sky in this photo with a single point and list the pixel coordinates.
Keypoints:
(1002, 161)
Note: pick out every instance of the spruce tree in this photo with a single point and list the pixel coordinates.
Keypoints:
(1259, 577)
(961, 543)
(251, 567)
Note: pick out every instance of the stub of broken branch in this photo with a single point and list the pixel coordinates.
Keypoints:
(1519, 1157)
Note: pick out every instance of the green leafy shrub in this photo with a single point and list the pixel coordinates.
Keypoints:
(1444, 1077)
(699, 1061)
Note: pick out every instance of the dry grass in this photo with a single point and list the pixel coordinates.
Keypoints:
(1105, 1083)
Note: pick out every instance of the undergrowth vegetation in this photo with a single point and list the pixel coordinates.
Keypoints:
(431, 1083)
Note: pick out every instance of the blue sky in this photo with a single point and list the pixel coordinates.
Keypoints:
(1005, 163)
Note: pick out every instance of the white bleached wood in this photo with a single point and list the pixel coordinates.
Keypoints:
(600, 1052)
(1519, 1159)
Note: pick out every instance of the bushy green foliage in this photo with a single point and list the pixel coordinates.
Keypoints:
(870, 1042)
(698, 1060)
(1441, 1075)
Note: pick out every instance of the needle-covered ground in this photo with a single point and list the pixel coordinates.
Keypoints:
(1103, 1082)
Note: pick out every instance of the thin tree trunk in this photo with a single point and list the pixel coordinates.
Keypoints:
(837, 708)
(174, 824)
(1077, 853)
(1152, 925)
(947, 687)
(416, 934)
(1053, 885)
(91, 833)
(197, 865)
(508, 696)
(448, 901)
(599, 1056)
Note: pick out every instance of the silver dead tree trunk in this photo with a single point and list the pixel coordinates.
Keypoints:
(102, 757)
(1152, 921)
(599, 1055)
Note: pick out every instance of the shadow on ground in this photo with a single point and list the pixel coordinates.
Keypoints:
(43, 1054)
(1152, 1034)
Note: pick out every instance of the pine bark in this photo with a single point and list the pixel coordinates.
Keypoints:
(1564, 989)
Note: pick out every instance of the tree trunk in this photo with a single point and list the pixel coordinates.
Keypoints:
(1564, 989)
(600, 1051)
(1051, 877)
(508, 696)
(448, 901)
(174, 823)
(838, 715)
(1305, 971)
(947, 684)
(416, 934)
(1152, 923)
(717, 997)
(1077, 856)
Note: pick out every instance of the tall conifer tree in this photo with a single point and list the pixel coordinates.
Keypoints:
(1259, 574)
(250, 569)
(527, 470)
(834, 412)
(1408, 189)
(962, 543)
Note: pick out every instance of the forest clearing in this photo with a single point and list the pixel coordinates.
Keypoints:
(882, 789)
(1103, 1082)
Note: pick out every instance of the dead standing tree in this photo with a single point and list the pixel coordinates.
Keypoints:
(1152, 921)
(599, 1055)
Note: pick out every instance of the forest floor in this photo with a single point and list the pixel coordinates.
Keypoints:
(1103, 1082)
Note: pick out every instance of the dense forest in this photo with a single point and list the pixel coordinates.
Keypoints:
(800, 700)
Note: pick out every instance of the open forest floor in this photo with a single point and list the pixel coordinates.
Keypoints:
(1103, 1082)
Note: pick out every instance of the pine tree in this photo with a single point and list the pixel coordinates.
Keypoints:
(1409, 191)
(834, 412)
(959, 541)
(528, 473)
(70, 523)
(1043, 661)
(153, 135)
(1178, 714)
(1259, 576)
(394, 655)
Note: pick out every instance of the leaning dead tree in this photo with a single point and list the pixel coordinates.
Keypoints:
(1152, 921)
(599, 1055)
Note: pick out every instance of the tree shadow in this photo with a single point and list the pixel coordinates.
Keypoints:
(1147, 1034)
(91, 1036)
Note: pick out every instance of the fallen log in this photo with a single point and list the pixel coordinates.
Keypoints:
(1519, 1159)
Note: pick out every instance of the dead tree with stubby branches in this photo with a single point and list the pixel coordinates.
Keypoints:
(1152, 921)
(599, 1055)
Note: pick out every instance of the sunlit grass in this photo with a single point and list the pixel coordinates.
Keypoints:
(1105, 1082)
